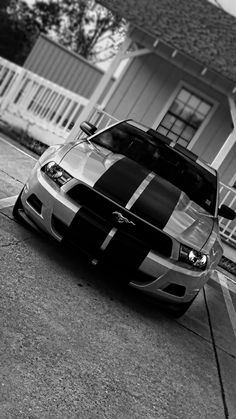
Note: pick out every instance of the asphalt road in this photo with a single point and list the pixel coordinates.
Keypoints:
(75, 343)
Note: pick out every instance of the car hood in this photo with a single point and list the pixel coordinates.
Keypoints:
(144, 193)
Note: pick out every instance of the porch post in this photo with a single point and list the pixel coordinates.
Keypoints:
(231, 140)
(99, 89)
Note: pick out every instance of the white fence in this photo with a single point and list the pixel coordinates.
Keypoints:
(228, 228)
(48, 112)
(43, 109)
(100, 119)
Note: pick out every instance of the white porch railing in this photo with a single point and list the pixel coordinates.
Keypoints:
(42, 108)
(100, 119)
(228, 228)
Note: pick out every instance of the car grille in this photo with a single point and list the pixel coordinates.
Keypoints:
(100, 215)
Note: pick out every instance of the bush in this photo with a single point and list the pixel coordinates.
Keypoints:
(21, 137)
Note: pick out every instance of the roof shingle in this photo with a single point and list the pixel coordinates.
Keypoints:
(195, 27)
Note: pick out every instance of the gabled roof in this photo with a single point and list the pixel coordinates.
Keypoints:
(195, 27)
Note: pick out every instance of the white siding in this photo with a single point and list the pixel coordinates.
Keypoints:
(146, 88)
(67, 69)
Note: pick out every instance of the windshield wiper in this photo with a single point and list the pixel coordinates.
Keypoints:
(203, 213)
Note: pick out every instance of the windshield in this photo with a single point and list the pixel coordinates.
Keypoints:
(196, 181)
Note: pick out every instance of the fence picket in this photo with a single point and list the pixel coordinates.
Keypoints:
(29, 101)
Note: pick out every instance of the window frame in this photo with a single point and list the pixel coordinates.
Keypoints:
(183, 85)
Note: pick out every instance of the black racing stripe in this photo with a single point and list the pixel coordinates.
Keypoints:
(125, 250)
(121, 180)
(87, 232)
(157, 202)
(105, 214)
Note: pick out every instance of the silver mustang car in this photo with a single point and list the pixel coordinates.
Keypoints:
(126, 195)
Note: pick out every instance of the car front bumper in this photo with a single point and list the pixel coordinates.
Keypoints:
(164, 277)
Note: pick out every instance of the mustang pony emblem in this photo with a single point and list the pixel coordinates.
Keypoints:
(121, 219)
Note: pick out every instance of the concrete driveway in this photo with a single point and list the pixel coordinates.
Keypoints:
(76, 343)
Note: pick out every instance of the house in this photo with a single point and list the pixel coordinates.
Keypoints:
(180, 78)
(53, 62)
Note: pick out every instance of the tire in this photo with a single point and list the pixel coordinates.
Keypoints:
(18, 208)
(178, 310)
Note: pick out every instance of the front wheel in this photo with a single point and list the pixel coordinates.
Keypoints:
(180, 309)
(18, 208)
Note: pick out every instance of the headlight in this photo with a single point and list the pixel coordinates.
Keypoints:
(56, 173)
(193, 257)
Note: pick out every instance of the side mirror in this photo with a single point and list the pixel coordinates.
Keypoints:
(88, 128)
(226, 212)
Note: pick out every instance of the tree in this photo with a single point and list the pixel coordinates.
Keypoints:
(16, 37)
(80, 25)
(83, 26)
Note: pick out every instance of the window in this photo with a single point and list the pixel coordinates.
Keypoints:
(184, 117)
